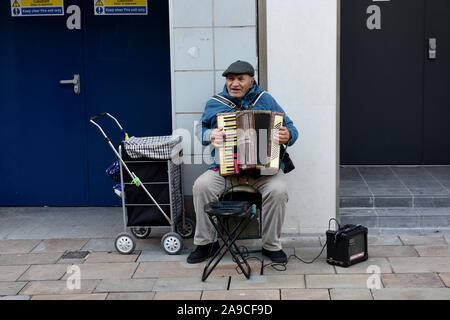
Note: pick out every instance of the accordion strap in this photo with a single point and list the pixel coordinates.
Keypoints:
(232, 105)
(255, 100)
(226, 102)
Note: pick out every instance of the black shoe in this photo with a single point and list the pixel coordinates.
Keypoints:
(201, 253)
(276, 256)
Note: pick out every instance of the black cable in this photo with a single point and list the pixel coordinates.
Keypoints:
(308, 262)
(245, 254)
(275, 265)
(339, 226)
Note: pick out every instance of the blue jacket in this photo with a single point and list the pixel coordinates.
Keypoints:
(266, 102)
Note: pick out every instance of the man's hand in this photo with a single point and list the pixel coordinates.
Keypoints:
(283, 136)
(217, 137)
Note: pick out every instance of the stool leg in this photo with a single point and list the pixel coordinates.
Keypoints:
(207, 272)
(239, 253)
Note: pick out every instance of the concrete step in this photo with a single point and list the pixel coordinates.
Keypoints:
(394, 187)
(392, 201)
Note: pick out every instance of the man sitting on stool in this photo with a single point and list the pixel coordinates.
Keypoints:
(242, 89)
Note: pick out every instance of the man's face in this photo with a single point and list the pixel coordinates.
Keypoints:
(239, 84)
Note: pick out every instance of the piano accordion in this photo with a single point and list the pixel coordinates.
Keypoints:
(249, 144)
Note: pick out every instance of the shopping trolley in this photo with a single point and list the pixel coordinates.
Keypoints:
(146, 168)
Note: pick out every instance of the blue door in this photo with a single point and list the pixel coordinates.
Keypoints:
(42, 127)
(51, 154)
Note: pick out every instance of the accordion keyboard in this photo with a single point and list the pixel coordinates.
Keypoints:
(228, 151)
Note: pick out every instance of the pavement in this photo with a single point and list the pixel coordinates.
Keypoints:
(68, 253)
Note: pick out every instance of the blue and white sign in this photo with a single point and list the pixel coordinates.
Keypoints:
(20, 8)
(120, 7)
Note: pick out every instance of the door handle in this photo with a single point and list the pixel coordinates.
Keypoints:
(75, 82)
(432, 45)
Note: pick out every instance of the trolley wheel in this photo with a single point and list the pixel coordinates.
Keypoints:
(142, 232)
(125, 243)
(187, 230)
(172, 243)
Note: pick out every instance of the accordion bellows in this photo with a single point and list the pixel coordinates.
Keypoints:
(249, 141)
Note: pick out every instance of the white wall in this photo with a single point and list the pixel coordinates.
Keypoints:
(301, 72)
(206, 37)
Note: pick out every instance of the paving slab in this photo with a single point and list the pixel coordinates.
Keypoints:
(392, 251)
(17, 246)
(28, 230)
(225, 269)
(44, 272)
(411, 280)
(418, 231)
(445, 277)
(9, 288)
(95, 296)
(125, 285)
(447, 238)
(309, 253)
(365, 266)
(71, 261)
(267, 282)
(241, 295)
(150, 256)
(12, 273)
(337, 281)
(151, 244)
(29, 258)
(131, 296)
(320, 266)
(109, 257)
(386, 240)
(57, 287)
(305, 294)
(106, 270)
(190, 284)
(412, 294)
(420, 264)
(350, 294)
(168, 269)
(15, 298)
(417, 240)
(59, 245)
(178, 295)
(103, 244)
(437, 251)
(294, 242)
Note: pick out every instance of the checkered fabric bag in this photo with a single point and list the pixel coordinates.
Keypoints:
(158, 148)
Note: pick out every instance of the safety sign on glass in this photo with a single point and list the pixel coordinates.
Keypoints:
(120, 7)
(21, 8)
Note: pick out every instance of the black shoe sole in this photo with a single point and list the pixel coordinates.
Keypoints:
(285, 260)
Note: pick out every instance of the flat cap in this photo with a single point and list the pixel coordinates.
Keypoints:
(239, 67)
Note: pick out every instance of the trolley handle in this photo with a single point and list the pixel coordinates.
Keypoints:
(125, 135)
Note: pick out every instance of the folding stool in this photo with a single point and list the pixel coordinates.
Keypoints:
(218, 213)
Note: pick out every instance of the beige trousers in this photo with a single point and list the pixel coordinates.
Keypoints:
(273, 189)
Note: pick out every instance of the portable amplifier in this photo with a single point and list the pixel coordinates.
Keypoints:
(347, 245)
